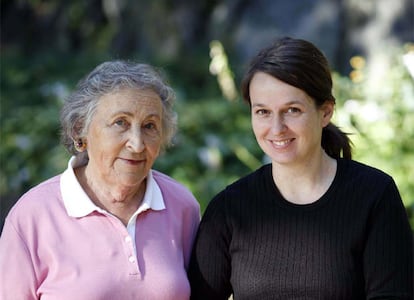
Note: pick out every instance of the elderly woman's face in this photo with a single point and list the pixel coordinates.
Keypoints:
(124, 137)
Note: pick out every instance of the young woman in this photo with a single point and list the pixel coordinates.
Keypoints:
(312, 224)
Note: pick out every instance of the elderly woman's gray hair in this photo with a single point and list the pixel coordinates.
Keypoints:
(107, 78)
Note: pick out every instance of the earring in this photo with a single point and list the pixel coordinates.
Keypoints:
(80, 146)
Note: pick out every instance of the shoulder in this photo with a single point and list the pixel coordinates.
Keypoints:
(243, 189)
(172, 189)
(249, 183)
(359, 182)
(357, 171)
(45, 191)
(38, 202)
(168, 184)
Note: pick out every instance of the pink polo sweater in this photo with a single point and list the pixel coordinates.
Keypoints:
(47, 254)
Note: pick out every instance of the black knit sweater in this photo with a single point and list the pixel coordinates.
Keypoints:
(355, 242)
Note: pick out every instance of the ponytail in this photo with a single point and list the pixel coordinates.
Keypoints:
(336, 142)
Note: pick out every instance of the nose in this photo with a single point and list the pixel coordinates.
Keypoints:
(135, 141)
(278, 125)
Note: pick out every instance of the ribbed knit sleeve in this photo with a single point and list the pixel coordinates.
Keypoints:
(210, 268)
(388, 260)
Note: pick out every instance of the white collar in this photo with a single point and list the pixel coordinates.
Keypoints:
(78, 204)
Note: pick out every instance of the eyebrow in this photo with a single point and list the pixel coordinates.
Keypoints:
(258, 105)
(121, 112)
(285, 104)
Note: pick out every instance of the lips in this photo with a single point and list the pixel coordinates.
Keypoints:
(282, 143)
(133, 161)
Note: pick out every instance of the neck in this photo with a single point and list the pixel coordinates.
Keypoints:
(307, 182)
(118, 200)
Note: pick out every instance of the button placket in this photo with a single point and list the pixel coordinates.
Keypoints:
(134, 269)
(127, 245)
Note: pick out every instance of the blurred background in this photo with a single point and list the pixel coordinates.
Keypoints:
(203, 48)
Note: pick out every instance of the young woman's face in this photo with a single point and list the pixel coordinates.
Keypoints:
(285, 120)
(124, 136)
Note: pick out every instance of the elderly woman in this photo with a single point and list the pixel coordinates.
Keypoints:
(109, 227)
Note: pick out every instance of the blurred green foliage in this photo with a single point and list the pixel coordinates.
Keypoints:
(31, 96)
(377, 109)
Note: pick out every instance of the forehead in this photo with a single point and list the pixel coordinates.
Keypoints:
(266, 89)
(130, 100)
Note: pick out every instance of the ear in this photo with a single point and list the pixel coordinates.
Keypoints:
(327, 110)
(77, 130)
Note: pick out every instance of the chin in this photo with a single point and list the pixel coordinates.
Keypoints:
(131, 181)
(281, 159)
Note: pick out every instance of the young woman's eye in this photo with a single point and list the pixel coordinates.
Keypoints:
(262, 112)
(294, 110)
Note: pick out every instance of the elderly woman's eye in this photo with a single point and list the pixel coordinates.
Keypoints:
(150, 126)
(120, 122)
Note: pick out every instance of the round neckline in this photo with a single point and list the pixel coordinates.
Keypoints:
(323, 200)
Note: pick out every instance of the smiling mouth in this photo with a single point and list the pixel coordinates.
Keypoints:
(282, 143)
(133, 161)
